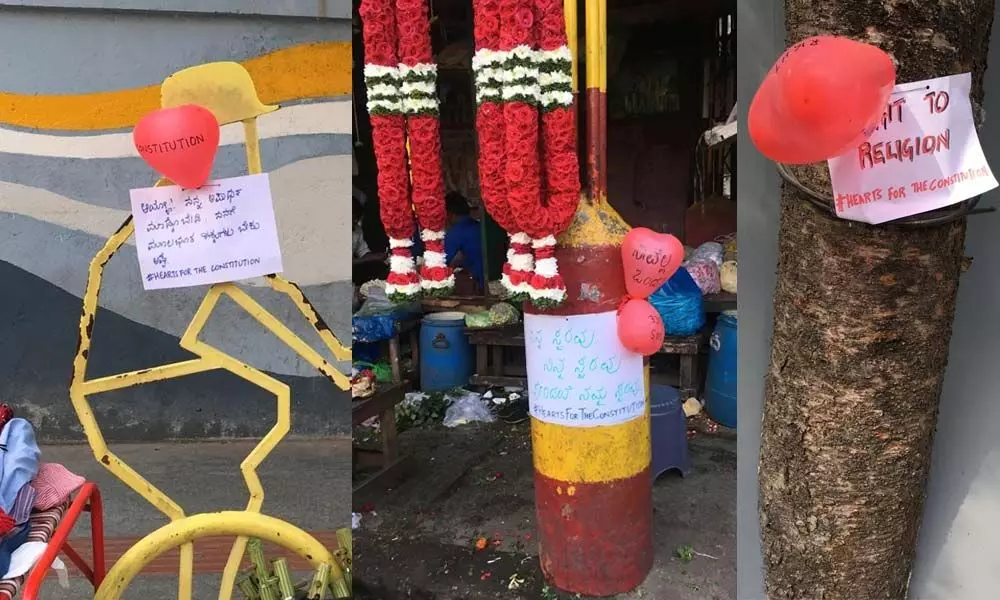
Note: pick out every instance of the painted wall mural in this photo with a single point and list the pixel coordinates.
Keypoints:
(66, 165)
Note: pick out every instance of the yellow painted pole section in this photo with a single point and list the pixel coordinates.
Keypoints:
(252, 146)
(591, 44)
(570, 9)
(602, 42)
(187, 530)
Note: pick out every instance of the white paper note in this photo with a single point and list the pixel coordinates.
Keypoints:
(223, 231)
(925, 154)
(579, 374)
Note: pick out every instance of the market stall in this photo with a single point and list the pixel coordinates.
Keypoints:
(670, 167)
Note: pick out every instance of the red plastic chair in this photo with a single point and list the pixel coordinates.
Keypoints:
(88, 499)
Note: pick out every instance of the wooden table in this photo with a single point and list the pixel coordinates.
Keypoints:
(717, 303)
(494, 343)
(410, 327)
(431, 304)
(690, 350)
(390, 463)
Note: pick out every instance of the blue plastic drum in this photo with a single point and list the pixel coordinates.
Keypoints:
(445, 352)
(720, 393)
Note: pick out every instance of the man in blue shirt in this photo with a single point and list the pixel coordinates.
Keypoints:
(463, 243)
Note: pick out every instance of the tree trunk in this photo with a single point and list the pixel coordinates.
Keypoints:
(862, 323)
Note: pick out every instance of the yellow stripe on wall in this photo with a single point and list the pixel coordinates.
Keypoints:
(591, 454)
(301, 72)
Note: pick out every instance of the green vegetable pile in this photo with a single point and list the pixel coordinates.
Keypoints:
(498, 315)
(419, 410)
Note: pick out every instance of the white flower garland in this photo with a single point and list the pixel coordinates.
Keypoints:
(435, 259)
(542, 77)
(546, 267)
(402, 265)
(382, 84)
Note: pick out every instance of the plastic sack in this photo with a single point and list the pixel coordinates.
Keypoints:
(727, 276)
(679, 303)
(708, 251)
(706, 274)
(729, 249)
(382, 370)
(377, 303)
(467, 408)
(366, 288)
(376, 320)
(373, 328)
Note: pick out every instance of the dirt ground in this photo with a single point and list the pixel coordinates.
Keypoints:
(471, 482)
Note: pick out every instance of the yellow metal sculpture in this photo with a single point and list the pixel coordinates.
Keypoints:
(226, 89)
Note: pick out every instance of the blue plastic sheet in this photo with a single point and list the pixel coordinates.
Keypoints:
(376, 320)
(680, 305)
(367, 352)
(373, 328)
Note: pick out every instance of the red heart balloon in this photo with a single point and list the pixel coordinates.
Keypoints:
(822, 96)
(640, 327)
(179, 143)
(650, 258)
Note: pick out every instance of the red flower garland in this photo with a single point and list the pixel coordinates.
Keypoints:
(562, 170)
(401, 76)
(534, 33)
(389, 141)
(522, 166)
(492, 154)
(562, 166)
(423, 131)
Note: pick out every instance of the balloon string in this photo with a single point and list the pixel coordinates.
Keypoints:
(625, 300)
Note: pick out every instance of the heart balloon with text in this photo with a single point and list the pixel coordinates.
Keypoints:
(640, 327)
(823, 96)
(650, 259)
(179, 143)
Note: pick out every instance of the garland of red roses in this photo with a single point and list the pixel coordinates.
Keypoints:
(536, 65)
(487, 66)
(400, 77)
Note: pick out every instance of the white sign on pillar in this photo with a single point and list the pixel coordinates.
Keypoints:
(579, 374)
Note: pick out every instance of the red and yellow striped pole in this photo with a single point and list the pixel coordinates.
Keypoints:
(593, 485)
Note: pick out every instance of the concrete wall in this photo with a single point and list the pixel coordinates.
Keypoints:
(958, 555)
(73, 81)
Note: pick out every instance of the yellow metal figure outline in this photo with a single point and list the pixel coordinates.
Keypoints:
(227, 90)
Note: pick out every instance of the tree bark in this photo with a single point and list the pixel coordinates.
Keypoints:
(862, 322)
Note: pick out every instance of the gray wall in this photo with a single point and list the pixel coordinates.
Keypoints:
(958, 554)
(64, 189)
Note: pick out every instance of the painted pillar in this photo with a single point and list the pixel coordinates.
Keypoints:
(590, 425)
